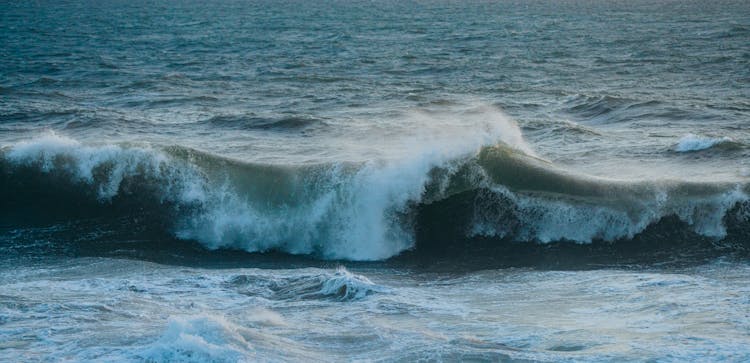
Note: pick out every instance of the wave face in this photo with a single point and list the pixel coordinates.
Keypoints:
(352, 210)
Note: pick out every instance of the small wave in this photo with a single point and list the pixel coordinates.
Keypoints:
(200, 339)
(692, 142)
(217, 338)
(341, 285)
(594, 106)
(253, 122)
(347, 286)
(164, 101)
(45, 81)
(607, 109)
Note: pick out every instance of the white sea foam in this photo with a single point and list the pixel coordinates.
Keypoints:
(204, 338)
(170, 318)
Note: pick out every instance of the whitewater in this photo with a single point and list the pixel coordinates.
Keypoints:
(231, 181)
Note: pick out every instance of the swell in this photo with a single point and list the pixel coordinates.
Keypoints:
(253, 122)
(113, 197)
(606, 109)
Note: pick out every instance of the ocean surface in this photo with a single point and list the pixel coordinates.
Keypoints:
(241, 181)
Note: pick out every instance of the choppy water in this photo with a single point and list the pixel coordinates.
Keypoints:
(535, 181)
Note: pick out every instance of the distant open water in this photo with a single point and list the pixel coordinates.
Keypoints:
(523, 181)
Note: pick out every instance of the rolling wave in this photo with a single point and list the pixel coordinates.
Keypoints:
(354, 211)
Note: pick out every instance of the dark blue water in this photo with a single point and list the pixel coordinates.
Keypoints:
(184, 178)
(127, 68)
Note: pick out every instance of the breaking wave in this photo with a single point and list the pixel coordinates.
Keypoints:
(351, 210)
